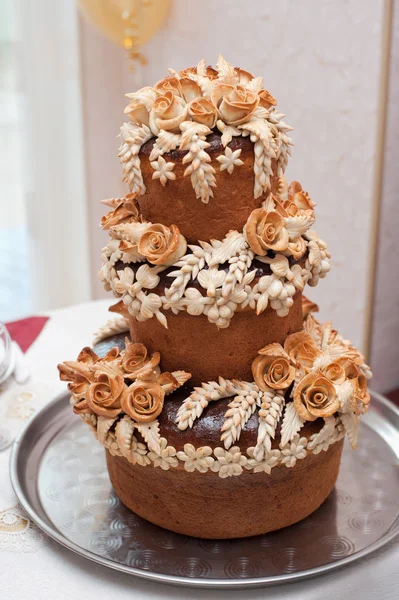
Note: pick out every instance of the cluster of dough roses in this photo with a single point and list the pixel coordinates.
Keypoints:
(201, 94)
(280, 224)
(157, 243)
(127, 382)
(326, 372)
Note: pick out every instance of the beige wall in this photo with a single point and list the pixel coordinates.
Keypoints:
(385, 322)
(322, 60)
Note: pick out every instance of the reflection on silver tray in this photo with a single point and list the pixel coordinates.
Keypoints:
(59, 474)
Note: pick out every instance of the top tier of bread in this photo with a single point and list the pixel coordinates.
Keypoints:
(203, 148)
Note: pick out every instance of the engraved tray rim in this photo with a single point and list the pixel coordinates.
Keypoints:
(46, 424)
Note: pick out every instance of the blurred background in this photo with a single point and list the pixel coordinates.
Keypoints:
(334, 68)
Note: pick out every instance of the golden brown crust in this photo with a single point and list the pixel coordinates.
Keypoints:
(205, 506)
(193, 343)
(207, 430)
(230, 207)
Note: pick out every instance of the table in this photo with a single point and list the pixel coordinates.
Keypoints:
(33, 566)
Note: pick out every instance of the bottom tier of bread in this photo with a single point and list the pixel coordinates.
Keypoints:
(204, 505)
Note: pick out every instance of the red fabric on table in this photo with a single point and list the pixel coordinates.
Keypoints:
(25, 331)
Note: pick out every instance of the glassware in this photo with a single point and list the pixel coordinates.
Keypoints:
(7, 359)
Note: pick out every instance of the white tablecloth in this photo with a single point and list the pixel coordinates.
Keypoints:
(34, 567)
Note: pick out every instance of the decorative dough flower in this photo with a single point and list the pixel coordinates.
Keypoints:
(80, 373)
(166, 457)
(273, 368)
(229, 160)
(287, 208)
(163, 170)
(270, 460)
(293, 451)
(87, 356)
(162, 245)
(136, 362)
(350, 368)
(358, 380)
(229, 463)
(302, 348)
(297, 248)
(104, 395)
(189, 89)
(167, 84)
(140, 105)
(184, 87)
(167, 113)
(130, 235)
(203, 111)
(138, 113)
(315, 397)
(266, 100)
(235, 104)
(199, 459)
(143, 401)
(334, 372)
(265, 230)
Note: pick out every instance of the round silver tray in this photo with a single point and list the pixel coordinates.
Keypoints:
(59, 475)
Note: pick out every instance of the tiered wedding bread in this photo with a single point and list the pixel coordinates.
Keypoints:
(225, 414)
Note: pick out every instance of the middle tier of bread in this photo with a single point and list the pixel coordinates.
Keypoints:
(191, 343)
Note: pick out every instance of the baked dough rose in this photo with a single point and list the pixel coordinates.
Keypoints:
(167, 84)
(302, 348)
(168, 111)
(265, 231)
(286, 208)
(203, 111)
(104, 395)
(235, 104)
(138, 113)
(79, 378)
(350, 368)
(335, 373)
(273, 368)
(136, 361)
(189, 89)
(162, 245)
(143, 401)
(357, 379)
(140, 105)
(315, 397)
(184, 87)
(296, 248)
(80, 373)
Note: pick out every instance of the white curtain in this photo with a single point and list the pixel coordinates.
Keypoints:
(53, 167)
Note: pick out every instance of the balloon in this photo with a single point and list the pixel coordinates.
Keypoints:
(124, 21)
